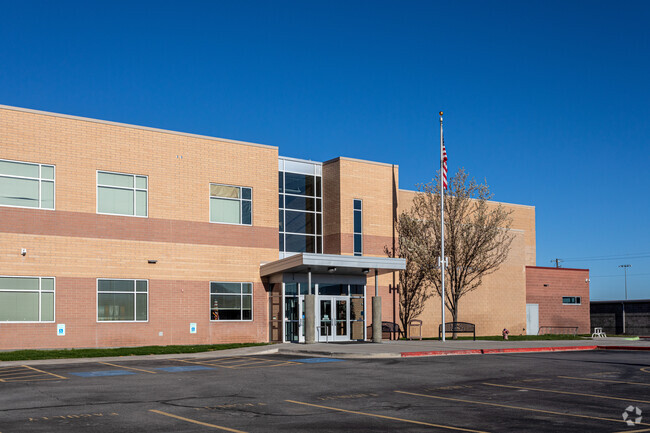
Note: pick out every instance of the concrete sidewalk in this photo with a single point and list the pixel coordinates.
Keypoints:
(386, 349)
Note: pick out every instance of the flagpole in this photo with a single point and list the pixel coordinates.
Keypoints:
(442, 232)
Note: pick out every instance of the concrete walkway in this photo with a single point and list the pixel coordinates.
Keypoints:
(386, 349)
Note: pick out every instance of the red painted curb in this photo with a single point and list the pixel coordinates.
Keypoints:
(443, 353)
(623, 347)
(540, 349)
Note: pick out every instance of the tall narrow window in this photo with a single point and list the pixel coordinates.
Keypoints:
(26, 299)
(358, 233)
(121, 194)
(24, 184)
(231, 204)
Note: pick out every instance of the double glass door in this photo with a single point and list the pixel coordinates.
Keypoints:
(333, 318)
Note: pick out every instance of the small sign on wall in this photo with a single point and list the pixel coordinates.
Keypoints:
(192, 328)
(60, 330)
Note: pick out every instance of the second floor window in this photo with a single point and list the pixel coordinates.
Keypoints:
(358, 233)
(231, 204)
(24, 184)
(121, 194)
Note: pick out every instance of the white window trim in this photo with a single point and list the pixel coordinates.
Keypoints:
(240, 200)
(40, 186)
(134, 189)
(241, 294)
(135, 312)
(40, 303)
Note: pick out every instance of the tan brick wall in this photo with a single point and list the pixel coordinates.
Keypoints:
(547, 286)
(76, 245)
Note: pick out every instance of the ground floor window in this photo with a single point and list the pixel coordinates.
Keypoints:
(231, 301)
(122, 300)
(26, 299)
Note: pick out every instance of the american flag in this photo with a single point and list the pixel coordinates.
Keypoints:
(444, 165)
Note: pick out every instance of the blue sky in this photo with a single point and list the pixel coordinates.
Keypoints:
(547, 101)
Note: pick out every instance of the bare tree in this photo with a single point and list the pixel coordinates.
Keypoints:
(413, 280)
(477, 235)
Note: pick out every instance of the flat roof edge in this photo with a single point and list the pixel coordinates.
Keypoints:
(127, 125)
(365, 161)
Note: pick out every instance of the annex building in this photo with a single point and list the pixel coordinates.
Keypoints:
(121, 235)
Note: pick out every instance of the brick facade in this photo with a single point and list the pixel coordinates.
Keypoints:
(547, 286)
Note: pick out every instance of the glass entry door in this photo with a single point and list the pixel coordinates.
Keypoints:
(334, 318)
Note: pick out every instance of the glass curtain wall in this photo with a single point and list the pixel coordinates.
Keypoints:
(300, 207)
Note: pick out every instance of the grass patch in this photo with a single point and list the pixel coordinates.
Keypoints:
(519, 337)
(20, 355)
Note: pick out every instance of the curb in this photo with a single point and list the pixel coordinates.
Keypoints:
(518, 350)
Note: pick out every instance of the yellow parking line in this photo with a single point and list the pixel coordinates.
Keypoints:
(386, 417)
(604, 380)
(567, 392)
(634, 431)
(646, 369)
(45, 372)
(619, 420)
(127, 368)
(195, 421)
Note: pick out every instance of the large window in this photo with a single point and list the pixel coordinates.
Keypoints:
(25, 184)
(230, 204)
(121, 194)
(26, 299)
(122, 300)
(301, 207)
(231, 301)
(358, 233)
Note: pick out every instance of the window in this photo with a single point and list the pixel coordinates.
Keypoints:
(121, 194)
(300, 205)
(230, 204)
(122, 300)
(24, 184)
(26, 299)
(358, 236)
(575, 300)
(231, 301)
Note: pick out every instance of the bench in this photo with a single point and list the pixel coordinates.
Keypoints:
(458, 328)
(388, 330)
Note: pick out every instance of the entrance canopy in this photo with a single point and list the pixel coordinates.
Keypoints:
(332, 264)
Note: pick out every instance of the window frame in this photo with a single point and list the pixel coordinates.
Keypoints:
(241, 295)
(239, 199)
(135, 189)
(578, 300)
(40, 180)
(135, 311)
(40, 302)
(354, 232)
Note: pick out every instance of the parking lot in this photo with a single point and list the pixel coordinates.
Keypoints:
(573, 391)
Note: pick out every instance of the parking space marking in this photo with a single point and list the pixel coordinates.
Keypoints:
(633, 431)
(102, 373)
(646, 369)
(564, 414)
(23, 373)
(196, 421)
(387, 417)
(604, 380)
(128, 368)
(241, 362)
(567, 392)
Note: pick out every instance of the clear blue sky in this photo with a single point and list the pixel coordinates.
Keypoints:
(549, 101)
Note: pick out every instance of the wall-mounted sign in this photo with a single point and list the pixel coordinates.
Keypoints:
(192, 328)
(60, 330)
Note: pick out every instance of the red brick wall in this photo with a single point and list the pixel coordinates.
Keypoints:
(547, 286)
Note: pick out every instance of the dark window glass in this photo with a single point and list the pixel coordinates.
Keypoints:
(300, 244)
(116, 285)
(298, 184)
(356, 289)
(319, 224)
(246, 193)
(332, 289)
(281, 241)
(280, 185)
(318, 205)
(319, 244)
(281, 220)
(246, 212)
(290, 289)
(318, 187)
(357, 245)
(357, 205)
(281, 201)
(299, 203)
(300, 222)
(357, 222)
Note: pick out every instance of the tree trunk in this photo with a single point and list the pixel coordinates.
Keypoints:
(454, 315)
